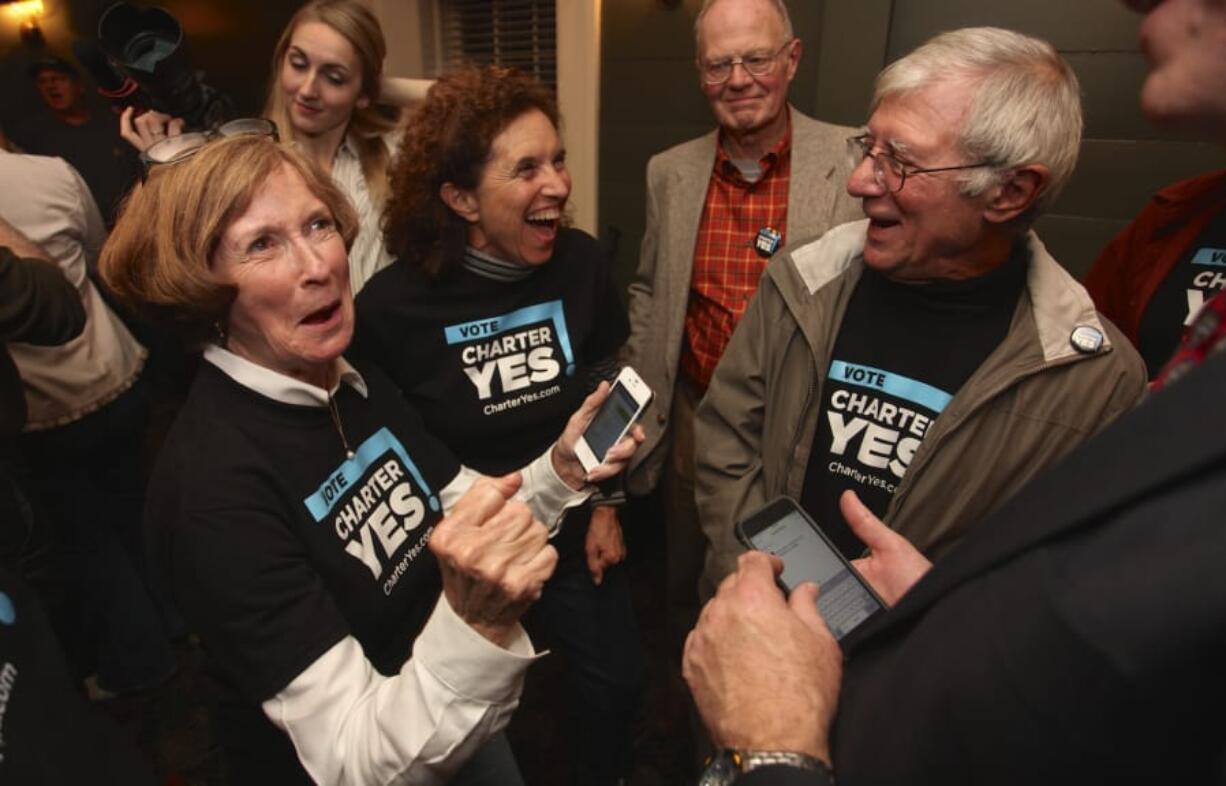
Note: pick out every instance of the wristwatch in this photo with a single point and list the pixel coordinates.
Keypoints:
(726, 766)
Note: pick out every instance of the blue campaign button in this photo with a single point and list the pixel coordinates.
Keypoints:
(768, 240)
(8, 613)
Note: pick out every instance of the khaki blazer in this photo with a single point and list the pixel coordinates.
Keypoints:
(677, 181)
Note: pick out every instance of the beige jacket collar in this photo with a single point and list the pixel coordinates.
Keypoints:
(1058, 303)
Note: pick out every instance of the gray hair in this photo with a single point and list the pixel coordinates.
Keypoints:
(1026, 108)
(780, 8)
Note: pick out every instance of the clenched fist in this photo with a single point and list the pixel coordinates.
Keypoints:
(494, 557)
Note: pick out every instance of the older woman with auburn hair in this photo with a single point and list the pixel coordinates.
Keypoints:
(495, 322)
(357, 590)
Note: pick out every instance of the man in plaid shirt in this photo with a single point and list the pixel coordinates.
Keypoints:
(717, 208)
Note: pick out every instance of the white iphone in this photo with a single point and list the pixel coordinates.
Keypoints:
(626, 402)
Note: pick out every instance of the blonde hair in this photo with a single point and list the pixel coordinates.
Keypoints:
(357, 24)
(157, 259)
(1026, 108)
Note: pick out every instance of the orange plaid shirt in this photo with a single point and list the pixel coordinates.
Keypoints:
(726, 265)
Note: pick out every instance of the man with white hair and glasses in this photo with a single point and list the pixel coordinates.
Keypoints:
(1073, 637)
(717, 208)
(935, 350)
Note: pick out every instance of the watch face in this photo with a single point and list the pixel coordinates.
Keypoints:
(720, 771)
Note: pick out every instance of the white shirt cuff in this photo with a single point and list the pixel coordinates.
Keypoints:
(543, 490)
(469, 664)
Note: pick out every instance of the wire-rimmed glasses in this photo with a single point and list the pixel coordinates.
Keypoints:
(762, 63)
(890, 173)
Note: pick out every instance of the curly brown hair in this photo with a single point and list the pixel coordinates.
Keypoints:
(448, 140)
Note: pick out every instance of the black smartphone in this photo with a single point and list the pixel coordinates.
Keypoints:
(783, 528)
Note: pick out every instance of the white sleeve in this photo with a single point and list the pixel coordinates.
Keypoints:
(461, 483)
(547, 494)
(542, 489)
(351, 725)
(86, 230)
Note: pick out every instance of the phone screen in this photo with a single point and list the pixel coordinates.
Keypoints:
(843, 602)
(615, 414)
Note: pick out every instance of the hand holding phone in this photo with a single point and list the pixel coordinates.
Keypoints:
(627, 399)
(783, 528)
(892, 565)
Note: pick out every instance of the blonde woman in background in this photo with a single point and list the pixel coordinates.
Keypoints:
(330, 99)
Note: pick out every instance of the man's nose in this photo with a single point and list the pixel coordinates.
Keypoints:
(739, 76)
(863, 179)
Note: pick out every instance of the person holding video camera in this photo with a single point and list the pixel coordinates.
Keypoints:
(495, 321)
(77, 130)
(330, 99)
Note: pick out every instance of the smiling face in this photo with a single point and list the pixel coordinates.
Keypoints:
(516, 210)
(321, 77)
(747, 104)
(1185, 44)
(294, 311)
(929, 229)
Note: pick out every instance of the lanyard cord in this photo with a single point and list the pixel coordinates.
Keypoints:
(336, 421)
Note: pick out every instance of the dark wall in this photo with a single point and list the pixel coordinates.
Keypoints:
(650, 99)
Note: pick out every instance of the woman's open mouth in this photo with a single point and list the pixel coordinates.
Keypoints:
(545, 222)
(324, 315)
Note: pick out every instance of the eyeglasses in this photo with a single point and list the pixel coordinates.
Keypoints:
(890, 173)
(716, 72)
(174, 149)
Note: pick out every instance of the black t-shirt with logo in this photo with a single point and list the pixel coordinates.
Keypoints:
(1197, 277)
(276, 545)
(495, 368)
(48, 732)
(902, 352)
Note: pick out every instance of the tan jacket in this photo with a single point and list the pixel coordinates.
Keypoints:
(1031, 401)
(677, 181)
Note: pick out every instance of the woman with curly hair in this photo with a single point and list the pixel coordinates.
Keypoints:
(330, 99)
(495, 321)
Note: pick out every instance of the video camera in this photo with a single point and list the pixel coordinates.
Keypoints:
(144, 50)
